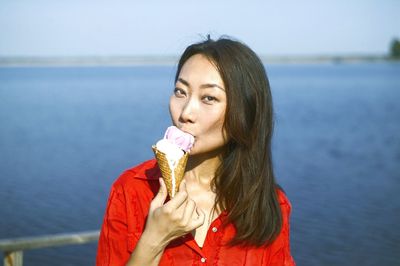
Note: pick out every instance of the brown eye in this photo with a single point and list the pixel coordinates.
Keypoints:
(209, 99)
(179, 92)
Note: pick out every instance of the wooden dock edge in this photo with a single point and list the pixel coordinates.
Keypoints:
(13, 248)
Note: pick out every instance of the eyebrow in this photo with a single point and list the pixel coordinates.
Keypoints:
(203, 86)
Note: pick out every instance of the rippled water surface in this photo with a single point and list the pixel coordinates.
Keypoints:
(67, 133)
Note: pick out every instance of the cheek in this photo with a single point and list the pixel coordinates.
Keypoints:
(173, 109)
(214, 123)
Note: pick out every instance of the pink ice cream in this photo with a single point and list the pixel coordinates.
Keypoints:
(182, 139)
(172, 153)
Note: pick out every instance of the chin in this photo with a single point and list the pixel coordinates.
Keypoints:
(207, 152)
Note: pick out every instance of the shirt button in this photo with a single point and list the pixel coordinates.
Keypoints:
(214, 229)
(203, 260)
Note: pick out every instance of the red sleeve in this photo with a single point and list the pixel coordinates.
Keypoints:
(113, 242)
(279, 254)
(125, 216)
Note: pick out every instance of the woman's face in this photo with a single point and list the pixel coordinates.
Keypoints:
(198, 104)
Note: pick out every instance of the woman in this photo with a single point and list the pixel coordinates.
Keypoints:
(229, 209)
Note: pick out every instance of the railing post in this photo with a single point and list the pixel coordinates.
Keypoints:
(13, 258)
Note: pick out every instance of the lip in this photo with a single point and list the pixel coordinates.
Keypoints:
(188, 132)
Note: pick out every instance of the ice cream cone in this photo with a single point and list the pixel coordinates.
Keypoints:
(172, 180)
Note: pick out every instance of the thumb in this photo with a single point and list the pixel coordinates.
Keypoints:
(161, 196)
(182, 185)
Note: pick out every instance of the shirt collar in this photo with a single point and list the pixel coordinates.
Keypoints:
(148, 170)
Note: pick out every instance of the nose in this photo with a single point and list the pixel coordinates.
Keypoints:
(189, 111)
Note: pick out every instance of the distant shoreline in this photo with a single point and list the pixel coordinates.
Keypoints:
(32, 61)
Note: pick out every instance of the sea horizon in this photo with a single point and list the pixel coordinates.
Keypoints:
(140, 60)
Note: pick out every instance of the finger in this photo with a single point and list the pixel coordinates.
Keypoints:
(182, 186)
(177, 201)
(199, 220)
(161, 196)
(188, 212)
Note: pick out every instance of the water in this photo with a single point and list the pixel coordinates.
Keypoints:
(67, 133)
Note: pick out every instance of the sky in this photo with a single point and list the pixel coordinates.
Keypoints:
(133, 27)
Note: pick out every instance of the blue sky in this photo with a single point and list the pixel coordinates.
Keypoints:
(278, 27)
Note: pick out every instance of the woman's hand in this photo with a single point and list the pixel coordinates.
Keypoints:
(166, 222)
(173, 219)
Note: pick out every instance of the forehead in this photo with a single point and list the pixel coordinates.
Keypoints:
(199, 68)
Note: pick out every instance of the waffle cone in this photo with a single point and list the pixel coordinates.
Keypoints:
(166, 172)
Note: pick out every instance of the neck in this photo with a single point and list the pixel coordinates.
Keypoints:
(201, 168)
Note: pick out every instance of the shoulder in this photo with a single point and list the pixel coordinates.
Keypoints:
(144, 175)
(278, 253)
(283, 200)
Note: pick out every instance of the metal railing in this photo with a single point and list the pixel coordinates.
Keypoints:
(13, 248)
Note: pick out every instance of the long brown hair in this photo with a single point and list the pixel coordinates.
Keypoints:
(245, 185)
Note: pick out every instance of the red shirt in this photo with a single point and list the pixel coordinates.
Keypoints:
(125, 217)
